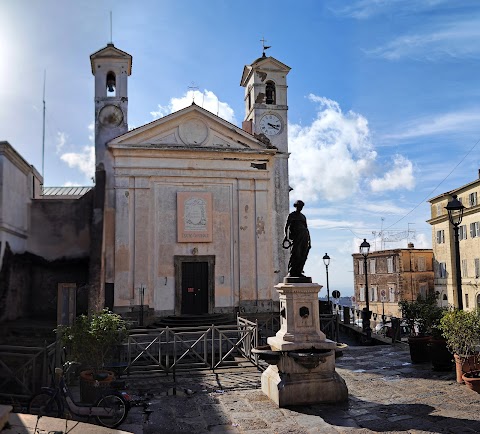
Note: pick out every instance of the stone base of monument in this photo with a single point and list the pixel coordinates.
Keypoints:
(295, 380)
(304, 370)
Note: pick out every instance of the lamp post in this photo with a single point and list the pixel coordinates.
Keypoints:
(326, 261)
(455, 213)
(366, 314)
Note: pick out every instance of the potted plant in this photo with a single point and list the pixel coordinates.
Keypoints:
(418, 316)
(461, 329)
(440, 356)
(91, 341)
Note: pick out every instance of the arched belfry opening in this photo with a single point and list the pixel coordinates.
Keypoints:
(270, 96)
(111, 84)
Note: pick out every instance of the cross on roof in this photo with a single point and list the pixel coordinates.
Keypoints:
(265, 47)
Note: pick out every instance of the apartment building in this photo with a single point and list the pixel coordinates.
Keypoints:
(393, 275)
(443, 244)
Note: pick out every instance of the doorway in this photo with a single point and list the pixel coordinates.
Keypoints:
(194, 277)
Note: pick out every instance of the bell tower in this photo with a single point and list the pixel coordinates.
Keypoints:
(265, 83)
(111, 68)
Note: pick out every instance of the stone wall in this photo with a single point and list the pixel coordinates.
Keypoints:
(61, 228)
(28, 285)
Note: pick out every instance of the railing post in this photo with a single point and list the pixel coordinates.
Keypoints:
(346, 315)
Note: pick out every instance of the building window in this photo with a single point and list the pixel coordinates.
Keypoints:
(440, 236)
(372, 266)
(464, 268)
(373, 294)
(474, 230)
(442, 270)
(390, 265)
(462, 232)
(270, 93)
(472, 199)
(439, 209)
(362, 294)
(391, 293)
(421, 263)
(477, 268)
(111, 84)
(360, 266)
(423, 290)
(478, 301)
(466, 301)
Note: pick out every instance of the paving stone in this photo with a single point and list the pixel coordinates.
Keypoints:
(251, 424)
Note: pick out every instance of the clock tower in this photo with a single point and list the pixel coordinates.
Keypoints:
(265, 83)
(111, 68)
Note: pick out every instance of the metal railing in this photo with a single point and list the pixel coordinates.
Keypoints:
(387, 327)
(24, 370)
(173, 349)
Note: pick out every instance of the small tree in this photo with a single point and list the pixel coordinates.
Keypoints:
(92, 339)
(421, 315)
(461, 329)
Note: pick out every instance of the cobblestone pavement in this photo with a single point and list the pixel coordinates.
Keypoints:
(387, 394)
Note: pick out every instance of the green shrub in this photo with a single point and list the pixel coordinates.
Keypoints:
(92, 339)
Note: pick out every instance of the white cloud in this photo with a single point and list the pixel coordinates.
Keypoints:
(61, 140)
(206, 99)
(364, 9)
(330, 157)
(381, 207)
(83, 161)
(400, 176)
(451, 40)
(460, 121)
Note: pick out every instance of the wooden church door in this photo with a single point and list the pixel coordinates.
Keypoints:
(194, 288)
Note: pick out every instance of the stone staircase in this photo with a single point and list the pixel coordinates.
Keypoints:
(194, 320)
(132, 315)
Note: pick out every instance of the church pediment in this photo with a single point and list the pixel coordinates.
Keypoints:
(111, 52)
(192, 127)
(263, 64)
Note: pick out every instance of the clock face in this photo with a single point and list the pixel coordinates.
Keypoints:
(110, 116)
(270, 125)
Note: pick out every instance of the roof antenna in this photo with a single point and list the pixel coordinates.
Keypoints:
(43, 133)
(265, 47)
(111, 28)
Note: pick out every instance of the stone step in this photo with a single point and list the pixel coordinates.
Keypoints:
(5, 411)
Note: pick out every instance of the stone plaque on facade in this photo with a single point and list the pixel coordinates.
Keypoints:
(194, 217)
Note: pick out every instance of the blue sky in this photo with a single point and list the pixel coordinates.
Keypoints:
(383, 96)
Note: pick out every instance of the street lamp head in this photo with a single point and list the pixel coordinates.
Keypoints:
(455, 211)
(365, 248)
(326, 260)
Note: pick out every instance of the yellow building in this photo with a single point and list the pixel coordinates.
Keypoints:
(393, 275)
(469, 242)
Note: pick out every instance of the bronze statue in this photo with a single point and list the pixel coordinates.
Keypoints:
(297, 237)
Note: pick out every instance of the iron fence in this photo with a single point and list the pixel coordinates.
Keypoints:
(188, 348)
(24, 370)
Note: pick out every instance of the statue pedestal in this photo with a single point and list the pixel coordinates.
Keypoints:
(305, 372)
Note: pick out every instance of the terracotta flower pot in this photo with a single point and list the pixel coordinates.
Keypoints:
(472, 380)
(464, 365)
(440, 357)
(419, 349)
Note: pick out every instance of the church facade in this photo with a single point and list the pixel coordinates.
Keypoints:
(192, 215)
(186, 216)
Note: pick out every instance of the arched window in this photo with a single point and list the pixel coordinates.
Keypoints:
(270, 92)
(111, 84)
